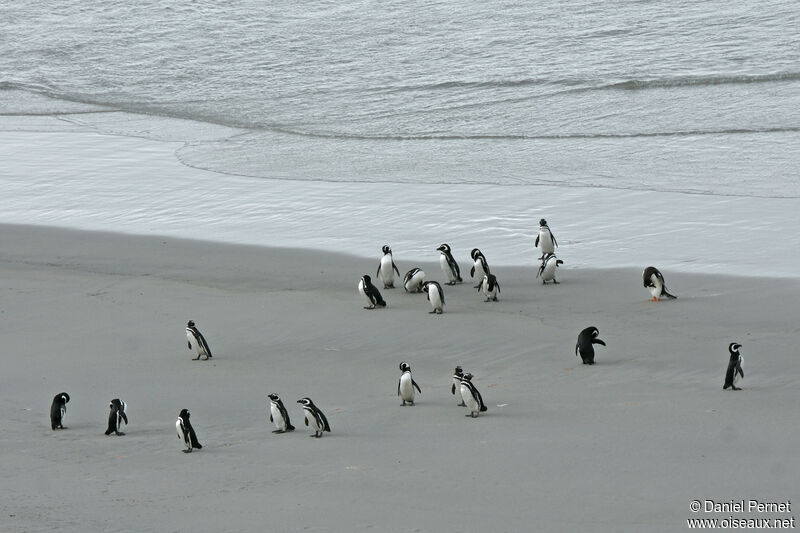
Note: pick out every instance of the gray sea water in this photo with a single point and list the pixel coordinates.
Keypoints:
(479, 116)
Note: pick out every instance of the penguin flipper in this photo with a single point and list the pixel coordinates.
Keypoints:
(554, 239)
(189, 343)
(598, 341)
(270, 418)
(537, 241)
(453, 389)
(378, 271)
(398, 387)
(414, 383)
(576, 348)
(472, 271)
(395, 268)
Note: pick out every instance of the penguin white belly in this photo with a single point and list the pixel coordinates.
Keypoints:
(312, 421)
(406, 388)
(479, 272)
(193, 342)
(181, 434)
(469, 399)
(363, 292)
(546, 242)
(387, 274)
(486, 292)
(435, 297)
(415, 282)
(736, 376)
(655, 290)
(549, 272)
(277, 417)
(448, 272)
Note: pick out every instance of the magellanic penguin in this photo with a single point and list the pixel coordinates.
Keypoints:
(186, 432)
(314, 417)
(370, 293)
(734, 372)
(546, 239)
(435, 296)
(455, 390)
(586, 339)
(480, 267)
(197, 342)
(116, 416)
(490, 287)
(412, 282)
(654, 282)
(387, 268)
(58, 409)
(406, 385)
(278, 414)
(547, 270)
(449, 265)
(471, 397)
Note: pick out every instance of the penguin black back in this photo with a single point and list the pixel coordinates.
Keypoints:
(586, 339)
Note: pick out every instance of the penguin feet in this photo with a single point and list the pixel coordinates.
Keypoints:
(120, 433)
(462, 404)
(432, 312)
(556, 282)
(186, 451)
(279, 431)
(370, 307)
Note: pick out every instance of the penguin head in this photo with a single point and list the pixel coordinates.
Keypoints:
(404, 366)
(425, 286)
(444, 248)
(733, 348)
(274, 397)
(190, 323)
(386, 249)
(184, 414)
(543, 222)
(366, 279)
(64, 397)
(305, 401)
(474, 253)
(595, 332)
(458, 371)
(467, 376)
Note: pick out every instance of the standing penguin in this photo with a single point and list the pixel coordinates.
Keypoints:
(387, 268)
(457, 375)
(449, 265)
(116, 415)
(412, 282)
(57, 410)
(278, 415)
(586, 339)
(315, 417)
(197, 342)
(186, 432)
(406, 385)
(546, 238)
(654, 282)
(547, 270)
(480, 266)
(734, 372)
(370, 293)
(489, 287)
(435, 296)
(471, 397)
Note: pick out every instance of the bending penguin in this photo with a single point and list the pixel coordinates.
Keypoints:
(547, 270)
(457, 375)
(471, 397)
(370, 293)
(57, 410)
(315, 417)
(412, 282)
(546, 238)
(278, 414)
(654, 282)
(449, 265)
(197, 342)
(479, 267)
(734, 373)
(406, 385)
(186, 432)
(490, 287)
(387, 268)
(586, 339)
(435, 296)
(116, 416)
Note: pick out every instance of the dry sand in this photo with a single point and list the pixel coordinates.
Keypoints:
(624, 445)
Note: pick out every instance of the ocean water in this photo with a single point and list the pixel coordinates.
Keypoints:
(645, 132)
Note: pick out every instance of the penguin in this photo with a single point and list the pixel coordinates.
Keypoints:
(278, 414)
(547, 270)
(490, 287)
(412, 282)
(315, 416)
(57, 411)
(654, 282)
(480, 267)
(471, 397)
(586, 338)
(387, 268)
(435, 296)
(449, 265)
(406, 385)
(734, 372)
(116, 415)
(370, 293)
(197, 342)
(546, 238)
(186, 432)
(457, 375)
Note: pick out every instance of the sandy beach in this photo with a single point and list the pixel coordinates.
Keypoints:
(624, 445)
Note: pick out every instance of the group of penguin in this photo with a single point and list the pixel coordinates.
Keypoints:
(413, 281)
